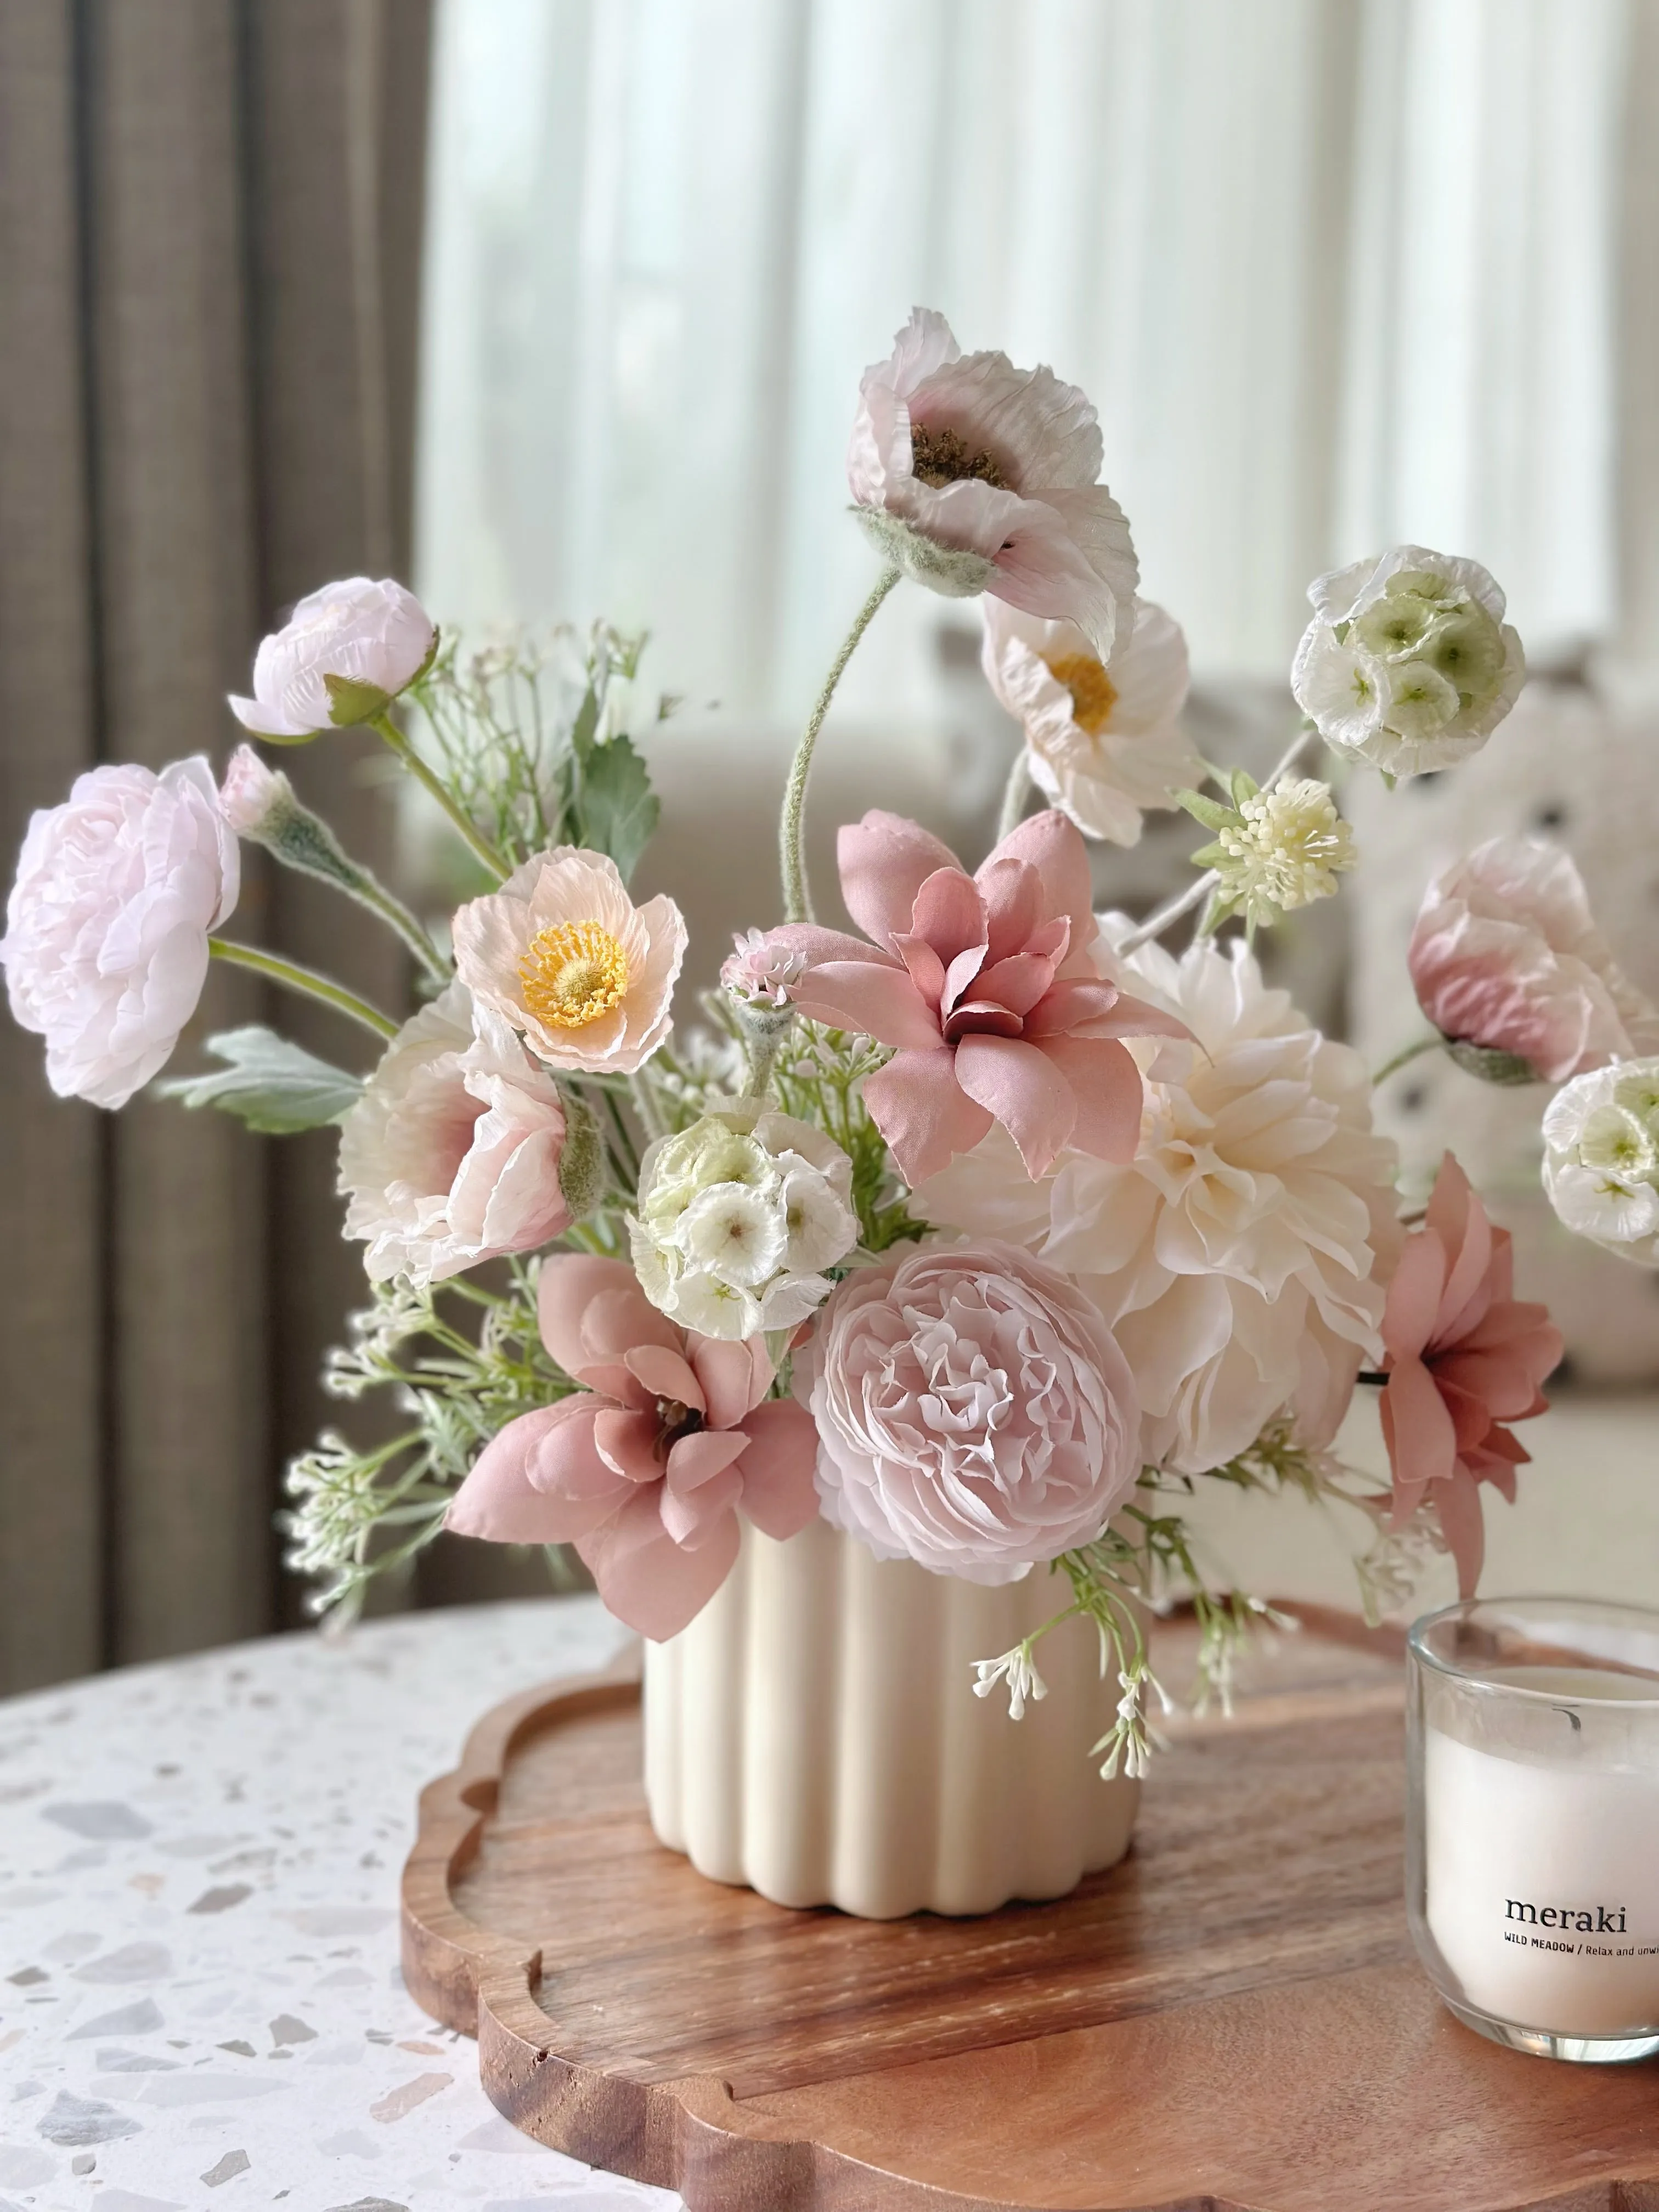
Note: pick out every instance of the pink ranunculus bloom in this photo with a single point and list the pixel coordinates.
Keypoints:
(644, 1468)
(1505, 955)
(985, 985)
(980, 476)
(974, 1412)
(376, 636)
(452, 1155)
(105, 949)
(1463, 1358)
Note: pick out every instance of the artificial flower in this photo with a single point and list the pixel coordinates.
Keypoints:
(1273, 851)
(739, 1216)
(1601, 1158)
(1104, 738)
(1240, 1256)
(372, 640)
(984, 985)
(759, 973)
(975, 475)
(105, 949)
(1408, 662)
(454, 1153)
(644, 1468)
(252, 794)
(974, 1413)
(562, 954)
(1506, 958)
(1463, 1358)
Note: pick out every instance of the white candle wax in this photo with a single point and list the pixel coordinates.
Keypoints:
(1542, 1875)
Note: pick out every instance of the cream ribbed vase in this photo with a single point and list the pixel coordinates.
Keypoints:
(814, 1735)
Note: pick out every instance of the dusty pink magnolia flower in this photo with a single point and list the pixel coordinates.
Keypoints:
(759, 972)
(974, 1412)
(453, 1154)
(985, 985)
(1505, 955)
(975, 476)
(644, 1468)
(1463, 1357)
(105, 949)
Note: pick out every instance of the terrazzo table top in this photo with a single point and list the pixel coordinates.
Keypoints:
(201, 2009)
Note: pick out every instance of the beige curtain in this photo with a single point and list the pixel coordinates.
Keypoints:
(210, 246)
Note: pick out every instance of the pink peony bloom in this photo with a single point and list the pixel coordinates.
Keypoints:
(979, 476)
(974, 1412)
(1505, 955)
(643, 1468)
(985, 985)
(562, 954)
(453, 1154)
(375, 637)
(105, 949)
(1462, 1358)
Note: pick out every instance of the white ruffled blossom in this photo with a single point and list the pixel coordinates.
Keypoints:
(1408, 662)
(1104, 738)
(1601, 1158)
(1241, 1258)
(372, 639)
(738, 1217)
(759, 973)
(1278, 850)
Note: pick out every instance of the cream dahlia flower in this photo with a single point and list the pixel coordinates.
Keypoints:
(973, 476)
(1104, 738)
(564, 956)
(1407, 662)
(1241, 1259)
(453, 1152)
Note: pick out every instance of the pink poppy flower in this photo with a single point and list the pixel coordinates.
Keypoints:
(975, 475)
(985, 985)
(1462, 1358)
(643, 1468)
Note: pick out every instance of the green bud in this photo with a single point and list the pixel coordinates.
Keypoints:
(584, 1168)
(1490, 1065)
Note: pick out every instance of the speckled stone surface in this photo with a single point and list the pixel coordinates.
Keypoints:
(200, 2002)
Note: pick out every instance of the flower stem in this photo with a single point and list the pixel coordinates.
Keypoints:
(303, 980)
(473, 836)
(1409, 1053)
(797, 895)
(1014, 794)
(1183, 902)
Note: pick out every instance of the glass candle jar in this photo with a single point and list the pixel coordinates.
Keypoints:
(1532, 1821)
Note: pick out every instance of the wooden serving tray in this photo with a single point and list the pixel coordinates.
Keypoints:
(1230, 2022)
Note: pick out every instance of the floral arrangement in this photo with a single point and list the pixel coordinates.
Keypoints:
(989, 1232)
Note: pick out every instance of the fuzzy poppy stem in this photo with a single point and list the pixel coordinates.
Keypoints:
(796, 894)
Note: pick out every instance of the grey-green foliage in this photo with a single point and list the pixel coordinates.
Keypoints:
(269, 1084)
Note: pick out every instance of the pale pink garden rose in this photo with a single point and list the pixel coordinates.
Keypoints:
(105, 949)
(453, 1154)
(975, 475)
(974, 1412)
(1506, 957)
(1104, 738)
(646, 1466)
(564, 956)
(985, 985)
(376, 637)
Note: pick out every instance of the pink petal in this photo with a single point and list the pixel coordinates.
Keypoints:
(1017, 982)
(698, 1458)
(571, 1489)
(1053, 846)
(981, 1017)
(948, 914)
(819, 945)
(880, 1001)
(884, 860)
(925, 968)
(1413, 1301)
(1068, 557)
(1021, 1087)
(1107, 1086)
(1461, 1523)
(1075, 1005)
(644, 1577)
(734, 1376)
(627, 1441)
(918, 1105)
(693, 1517)
(778, 1494)
(666, 1375)
(1418, 1429)
(1013, 894)
(591, 1310)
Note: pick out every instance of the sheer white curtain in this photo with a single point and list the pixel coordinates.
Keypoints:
(1333, 271)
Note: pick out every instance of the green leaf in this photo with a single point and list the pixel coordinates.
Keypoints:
(1210, 811)
(615, 804)
(1210, 856)
(269, 1084)
(582, 729)
(1244, 786)
(349, 701)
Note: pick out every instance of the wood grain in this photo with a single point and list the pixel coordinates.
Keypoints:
(1231, 2020)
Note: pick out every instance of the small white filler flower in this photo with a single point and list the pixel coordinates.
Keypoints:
(1601, 1158)
(1278, 850)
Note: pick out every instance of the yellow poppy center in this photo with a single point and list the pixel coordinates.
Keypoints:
(1094, 694)
(572, 973)
(943, 457)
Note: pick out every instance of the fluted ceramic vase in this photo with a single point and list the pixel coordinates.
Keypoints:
(814, 1735)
